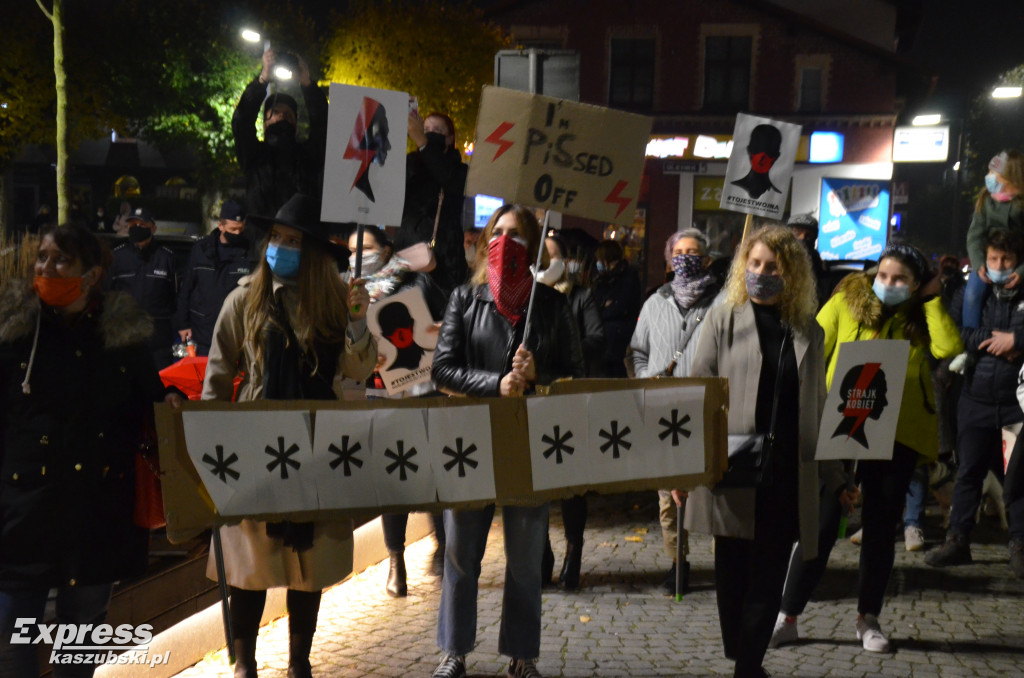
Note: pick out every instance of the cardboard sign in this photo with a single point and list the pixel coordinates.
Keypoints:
(854, 219)
(452, 451)
(761, 164)
(364, 169)
(863, 405)
(406, 338)
(559, 155)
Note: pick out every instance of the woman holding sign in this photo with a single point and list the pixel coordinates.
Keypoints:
(765, 341)
(386, 274)
(288, 330)
(482, 351)
(897, 301)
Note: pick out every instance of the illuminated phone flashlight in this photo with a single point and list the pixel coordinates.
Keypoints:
(282, 73)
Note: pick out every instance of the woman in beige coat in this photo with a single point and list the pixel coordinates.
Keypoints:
(288, 330)
(766, 322)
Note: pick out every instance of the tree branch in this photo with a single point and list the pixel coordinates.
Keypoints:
(44, 10)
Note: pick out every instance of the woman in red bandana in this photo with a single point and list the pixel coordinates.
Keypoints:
(481, 351)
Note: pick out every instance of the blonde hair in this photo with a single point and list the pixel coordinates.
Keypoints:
(529, 230)
(1013, 173)
(323, 301)
(798, 301)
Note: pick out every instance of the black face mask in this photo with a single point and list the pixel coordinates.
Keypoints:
(280, 135)
(137, 234)
(234, 239)
(437, 137)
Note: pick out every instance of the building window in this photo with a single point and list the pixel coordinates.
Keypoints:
(631, 82)
(727, 72)
(810, 90)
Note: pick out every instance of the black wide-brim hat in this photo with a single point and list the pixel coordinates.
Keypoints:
(301, 212)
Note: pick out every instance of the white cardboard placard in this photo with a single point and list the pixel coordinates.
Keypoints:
(343, 458)
(461, 453)
(558, 438)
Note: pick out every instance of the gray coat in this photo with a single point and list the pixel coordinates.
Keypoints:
(664, 330)
(729, 347)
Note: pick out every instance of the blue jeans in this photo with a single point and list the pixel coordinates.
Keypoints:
(975, 292)
(75, 605)
(916, 494)
(526, 528)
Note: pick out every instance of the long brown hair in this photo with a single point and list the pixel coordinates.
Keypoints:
(529, 230)
(322, 314)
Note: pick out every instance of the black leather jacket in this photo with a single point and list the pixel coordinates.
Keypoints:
(476, 344)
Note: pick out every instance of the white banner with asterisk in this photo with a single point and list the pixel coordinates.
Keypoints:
(401, 465)
(673, 435)
(616, 424)
(460, 453)
(342, 458)
(558, 430)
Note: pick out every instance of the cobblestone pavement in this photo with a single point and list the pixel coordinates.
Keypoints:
(961, 621)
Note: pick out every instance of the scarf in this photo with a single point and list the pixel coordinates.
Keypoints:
(386, 281)
(508, 276)
(691, 279)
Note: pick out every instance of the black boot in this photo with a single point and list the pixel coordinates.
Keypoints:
(245, 657)
(547, 565)
(299, 645)
(397, 587)
(569, 579)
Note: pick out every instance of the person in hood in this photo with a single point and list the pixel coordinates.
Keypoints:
(77, 387)
(148, 271)
(484, 349)
(215, 265)
(281, 165)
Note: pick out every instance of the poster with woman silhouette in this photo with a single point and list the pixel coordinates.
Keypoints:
(761, 164)
(406, 338)
(863, 405)
(364, 170)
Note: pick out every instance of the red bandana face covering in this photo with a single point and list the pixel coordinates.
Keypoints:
(508, 275)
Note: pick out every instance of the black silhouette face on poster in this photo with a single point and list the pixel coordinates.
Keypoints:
(396, 325)
(764, 148)
(863, 392)
(368, 142)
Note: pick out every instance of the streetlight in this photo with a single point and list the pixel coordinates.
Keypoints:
(926, 119)
(250, 35)
(1006, 93)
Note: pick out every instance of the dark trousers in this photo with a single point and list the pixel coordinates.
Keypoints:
(574, 518)
(804, 575)
(750, 573)
(883, 486)
(979, 445)
(394, 525)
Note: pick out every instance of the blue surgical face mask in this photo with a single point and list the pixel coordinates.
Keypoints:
(890, 295)
(284, 261)
(601, 266)
(999, 277)
(993, 184)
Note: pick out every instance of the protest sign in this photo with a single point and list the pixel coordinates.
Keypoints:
(854, 219)
(863, 405)
(406, 338)
(761, 164)
(364, 169)
(559, 155)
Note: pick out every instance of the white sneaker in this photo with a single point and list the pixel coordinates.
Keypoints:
(856, 537)
(870, 634)
(913, 538)
(784, 633)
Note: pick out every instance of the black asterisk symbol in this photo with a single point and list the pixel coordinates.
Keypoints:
(220, 466)
(346, 455)
(460, 456)
(674, 428)
(282, 457)
(558, 444)
(401, 460)
(616, 439)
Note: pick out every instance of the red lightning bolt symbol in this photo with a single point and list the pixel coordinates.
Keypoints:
(615, 197)
(861, 413)
(496, 138)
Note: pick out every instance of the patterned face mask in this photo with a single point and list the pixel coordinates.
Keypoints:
(763, 286)
(508, 275)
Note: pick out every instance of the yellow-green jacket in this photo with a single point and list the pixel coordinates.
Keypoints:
(855, 313)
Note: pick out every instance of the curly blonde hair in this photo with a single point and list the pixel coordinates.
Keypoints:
(798, 301)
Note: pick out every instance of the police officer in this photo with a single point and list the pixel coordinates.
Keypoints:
(148, 271)
(214, 267)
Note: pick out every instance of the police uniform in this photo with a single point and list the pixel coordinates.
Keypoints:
(150, 275)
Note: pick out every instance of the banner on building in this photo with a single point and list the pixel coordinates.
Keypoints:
(757, 176)
(559, 155)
